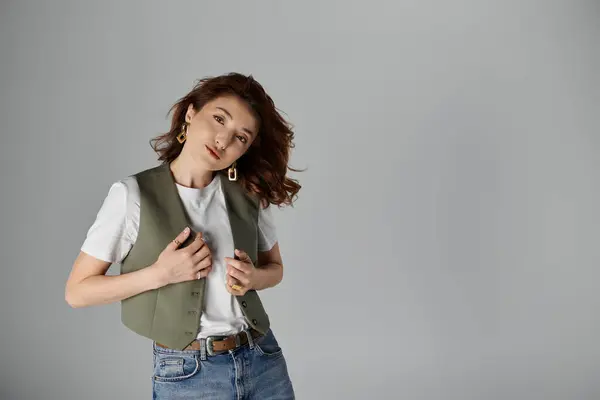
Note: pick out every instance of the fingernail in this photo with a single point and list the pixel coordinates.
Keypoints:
(186, 230)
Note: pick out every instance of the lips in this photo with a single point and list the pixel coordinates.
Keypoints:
(213, 152)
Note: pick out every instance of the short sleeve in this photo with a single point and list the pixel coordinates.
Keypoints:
(267, 233)
(113, 232)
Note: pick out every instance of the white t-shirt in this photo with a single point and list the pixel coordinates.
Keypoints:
(115, 230)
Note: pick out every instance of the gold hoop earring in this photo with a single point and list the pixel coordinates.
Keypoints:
(183, 134)
(232, 172)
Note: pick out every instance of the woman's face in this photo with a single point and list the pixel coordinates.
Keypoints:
(220, 132)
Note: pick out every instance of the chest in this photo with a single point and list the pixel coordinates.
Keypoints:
(208, 213)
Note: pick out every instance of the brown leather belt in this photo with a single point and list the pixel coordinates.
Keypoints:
(219, 344)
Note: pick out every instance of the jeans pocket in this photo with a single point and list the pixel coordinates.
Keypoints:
(267, 345)
(174, 367)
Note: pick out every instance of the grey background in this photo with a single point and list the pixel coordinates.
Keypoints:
(444, 244)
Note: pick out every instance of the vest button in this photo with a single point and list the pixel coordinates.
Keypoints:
(255, 322)
(244, 304)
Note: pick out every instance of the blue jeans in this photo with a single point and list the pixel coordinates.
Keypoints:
(257, 370)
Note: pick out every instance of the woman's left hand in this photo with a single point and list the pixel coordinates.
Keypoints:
(240, 273)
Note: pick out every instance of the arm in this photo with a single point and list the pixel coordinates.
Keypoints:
(110, 237)
(269, 271)
(88, 285)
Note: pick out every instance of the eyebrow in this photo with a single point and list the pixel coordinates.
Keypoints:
(248, 131)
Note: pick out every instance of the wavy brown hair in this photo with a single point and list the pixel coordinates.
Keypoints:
(262, 169)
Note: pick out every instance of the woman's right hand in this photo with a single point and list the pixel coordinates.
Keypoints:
(176, 264)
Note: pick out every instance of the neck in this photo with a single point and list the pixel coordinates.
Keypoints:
(188, 173)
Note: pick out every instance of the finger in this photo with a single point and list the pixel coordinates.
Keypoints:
(175, 243)
(237, 264)
(230, 290)
(201, 254)
(196, 244)
(240, 276)
(234, 286)
(203, 273)
(207, 262)
(242, 255)
(232, 282)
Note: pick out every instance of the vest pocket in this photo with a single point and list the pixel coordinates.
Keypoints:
(172, 368)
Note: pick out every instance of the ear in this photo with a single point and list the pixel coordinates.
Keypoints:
(189, 114)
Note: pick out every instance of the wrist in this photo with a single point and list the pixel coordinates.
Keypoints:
(156, 277)
(259, 278)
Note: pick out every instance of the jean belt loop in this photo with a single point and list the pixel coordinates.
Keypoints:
(250, 339)
(203, 349)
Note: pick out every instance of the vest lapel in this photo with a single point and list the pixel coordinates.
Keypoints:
(174, 303)
(243, 217)
(174, 217)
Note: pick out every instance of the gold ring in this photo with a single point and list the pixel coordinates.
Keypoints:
(177, 242)
(236, 287)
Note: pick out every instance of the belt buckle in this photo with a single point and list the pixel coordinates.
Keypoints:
(209, 345)
(211, 339)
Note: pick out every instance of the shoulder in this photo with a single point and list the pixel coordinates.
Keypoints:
(158, 171)
(129, 185)
(122, 200)
(115, 227)
(267, 231)
(265, 214)
(124, 189)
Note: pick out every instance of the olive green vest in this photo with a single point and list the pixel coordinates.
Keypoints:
(171, 314)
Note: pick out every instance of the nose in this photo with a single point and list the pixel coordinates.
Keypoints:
(223, 139)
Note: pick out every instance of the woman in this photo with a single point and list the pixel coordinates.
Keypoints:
(196, 242)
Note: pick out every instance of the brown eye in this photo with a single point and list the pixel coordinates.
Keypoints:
(242, 139)
(219, 119)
